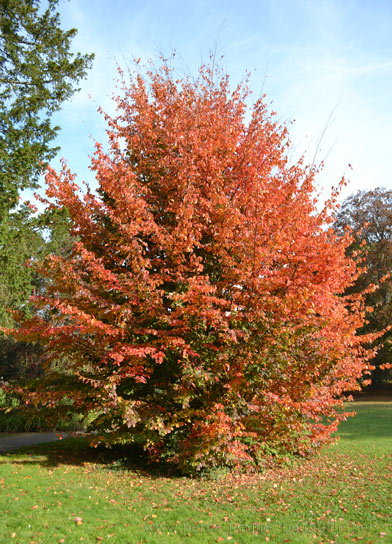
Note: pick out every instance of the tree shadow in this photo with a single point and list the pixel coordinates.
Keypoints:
(76, 451)
(373, 420)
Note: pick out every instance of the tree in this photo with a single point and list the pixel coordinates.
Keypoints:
(38, 72)
(368, 215)
(198, 314)
(19, 240)
(25, 237)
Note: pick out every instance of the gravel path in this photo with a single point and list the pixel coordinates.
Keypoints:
(13, 441)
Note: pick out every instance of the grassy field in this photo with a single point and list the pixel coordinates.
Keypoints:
(65, 493)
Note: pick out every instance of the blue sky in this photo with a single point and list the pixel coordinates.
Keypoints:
(325, 63)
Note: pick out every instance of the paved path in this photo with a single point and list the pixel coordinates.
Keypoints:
(13, 441)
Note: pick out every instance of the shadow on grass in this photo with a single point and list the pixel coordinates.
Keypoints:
(373, 420)
(77, 452)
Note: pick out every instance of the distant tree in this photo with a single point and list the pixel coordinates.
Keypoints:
(27, 239)
(20, 239)
(198, 313)
(368, 214)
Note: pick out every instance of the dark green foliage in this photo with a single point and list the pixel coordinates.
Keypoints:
(26, 239)
(19, 360)
(37, 74)
(15, 418)
(19, 241)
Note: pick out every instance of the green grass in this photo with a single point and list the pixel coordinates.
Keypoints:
(343, 494)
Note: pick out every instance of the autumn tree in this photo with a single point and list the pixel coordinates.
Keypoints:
(368, 215)
(199, 313)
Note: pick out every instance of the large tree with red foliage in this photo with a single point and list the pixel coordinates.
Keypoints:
(200, 313)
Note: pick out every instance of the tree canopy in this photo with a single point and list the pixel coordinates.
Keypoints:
(200, 312)
(38, 72)
(368, 215)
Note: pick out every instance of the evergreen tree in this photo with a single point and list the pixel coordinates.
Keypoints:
(38, 72)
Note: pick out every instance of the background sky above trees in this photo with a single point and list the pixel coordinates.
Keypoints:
(326, 63)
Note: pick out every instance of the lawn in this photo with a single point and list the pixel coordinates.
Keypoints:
(67, 493)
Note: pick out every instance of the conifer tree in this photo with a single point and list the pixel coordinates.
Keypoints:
(38, 72)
